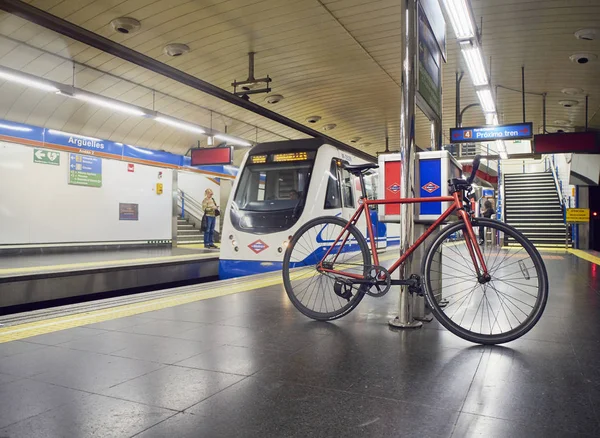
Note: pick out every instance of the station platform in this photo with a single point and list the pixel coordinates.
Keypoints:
(235, 358)
(31, 278)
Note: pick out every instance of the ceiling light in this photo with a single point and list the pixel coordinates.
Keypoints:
(568, 103)
(487, 100)
(329, 127)
(126, 25)
(110, 104)
(572, 91)
(461, 18)
(15, 128)
(68, 134)
(25, 79)
(586, 34)
(583, 58)
(366, 145)
(233, 140)
(179, 124)
(273, 99)
(176, 49)
(474, 61)
(355, 139)
(313, 119)
(562, 122)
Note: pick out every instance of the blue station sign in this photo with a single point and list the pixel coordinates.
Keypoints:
(516, 131)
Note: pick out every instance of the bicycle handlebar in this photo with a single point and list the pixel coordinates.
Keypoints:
(476, 162)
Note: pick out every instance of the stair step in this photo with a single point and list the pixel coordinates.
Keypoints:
(188, 231)
(185, 226)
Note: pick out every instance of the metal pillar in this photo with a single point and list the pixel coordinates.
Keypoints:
(175, 209)
(407, 138)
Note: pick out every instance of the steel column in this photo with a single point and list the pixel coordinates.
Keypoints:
(407, 138)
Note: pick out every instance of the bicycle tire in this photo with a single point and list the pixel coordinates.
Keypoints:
(504, 300)
(365, 261)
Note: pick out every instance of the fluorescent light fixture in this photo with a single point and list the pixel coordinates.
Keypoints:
(233, 140)
(474, 61)
(210, 140)
(503, 156)
(179, 124)
(15, 128)
(487, 100)
(110, 104)
(68, 134)
(26, 80)
(461, 18)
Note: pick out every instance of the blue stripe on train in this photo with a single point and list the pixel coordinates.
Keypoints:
(241, 268)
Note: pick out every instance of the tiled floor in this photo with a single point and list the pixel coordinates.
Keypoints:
(250, 365)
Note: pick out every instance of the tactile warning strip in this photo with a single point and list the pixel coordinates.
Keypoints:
(22, 331)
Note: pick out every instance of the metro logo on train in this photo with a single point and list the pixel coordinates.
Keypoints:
(394, 188)
(430, 187)
(258, 246)
(515, 131)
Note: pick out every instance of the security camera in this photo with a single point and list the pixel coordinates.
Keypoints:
(125, 25)
(313, 119)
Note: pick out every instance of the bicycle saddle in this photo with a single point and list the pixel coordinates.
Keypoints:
(357, 169)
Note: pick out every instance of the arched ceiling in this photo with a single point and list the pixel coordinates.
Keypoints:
(339, 59)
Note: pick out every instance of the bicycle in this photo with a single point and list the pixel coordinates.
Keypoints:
(488, 294)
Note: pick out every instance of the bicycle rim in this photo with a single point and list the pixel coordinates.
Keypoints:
(498, 311)
(313, 292)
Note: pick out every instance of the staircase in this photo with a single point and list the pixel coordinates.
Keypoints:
(187, 234)
(532, 206)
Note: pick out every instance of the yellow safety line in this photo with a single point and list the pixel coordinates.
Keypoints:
(105, 263)
(585, 256)
(22, 331)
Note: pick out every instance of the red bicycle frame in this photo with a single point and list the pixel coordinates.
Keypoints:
(457, 201)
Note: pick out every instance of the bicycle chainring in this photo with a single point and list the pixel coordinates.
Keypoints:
(381, 281)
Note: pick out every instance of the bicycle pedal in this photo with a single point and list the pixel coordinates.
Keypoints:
(342, 290)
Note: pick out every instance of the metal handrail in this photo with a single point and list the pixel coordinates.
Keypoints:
(557, 183)
(189, 205)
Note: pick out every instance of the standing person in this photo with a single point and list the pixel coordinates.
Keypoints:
(209, 206)
(488, 212)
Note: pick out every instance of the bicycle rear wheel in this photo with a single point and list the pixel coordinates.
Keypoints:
(313, 292)
(501, 310)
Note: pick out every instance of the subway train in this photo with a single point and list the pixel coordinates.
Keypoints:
(281, 186)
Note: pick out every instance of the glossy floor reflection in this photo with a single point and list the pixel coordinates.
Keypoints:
(250, 365)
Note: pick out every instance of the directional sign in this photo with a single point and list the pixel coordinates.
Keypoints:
(480, 134)
(43, 156)
(85, 170)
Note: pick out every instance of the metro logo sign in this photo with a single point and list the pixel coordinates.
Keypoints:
(430, 187)
(394, 188)
(258, 246)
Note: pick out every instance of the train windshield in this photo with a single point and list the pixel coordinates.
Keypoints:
(273, 186)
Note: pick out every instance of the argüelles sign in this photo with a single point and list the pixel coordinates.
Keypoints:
(478, 134)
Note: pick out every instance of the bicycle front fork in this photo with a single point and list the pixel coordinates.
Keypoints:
(483, 275)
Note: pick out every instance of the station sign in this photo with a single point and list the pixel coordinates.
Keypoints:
(478, 134)
(578, 215)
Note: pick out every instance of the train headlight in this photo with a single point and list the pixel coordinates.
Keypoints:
(245, 222)
(234, 243)
(280, 249)
(236, 249)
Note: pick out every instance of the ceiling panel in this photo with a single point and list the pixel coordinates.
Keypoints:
(339, 59)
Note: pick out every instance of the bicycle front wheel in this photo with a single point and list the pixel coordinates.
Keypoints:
(322, 295)
(498, 311)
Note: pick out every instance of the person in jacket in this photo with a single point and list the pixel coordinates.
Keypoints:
(488, 212)
(209, 206)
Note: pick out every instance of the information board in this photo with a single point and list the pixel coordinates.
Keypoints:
(85, 170)
(478, 134)
(128, 211)
(578, 215)
(430, 66)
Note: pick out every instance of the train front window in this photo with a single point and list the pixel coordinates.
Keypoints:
(273, 186)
